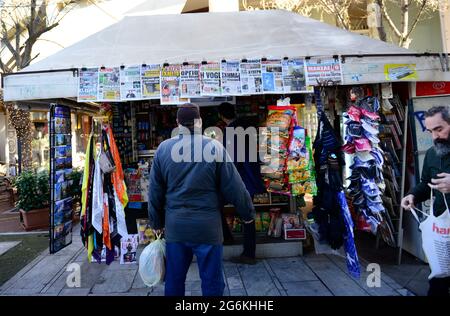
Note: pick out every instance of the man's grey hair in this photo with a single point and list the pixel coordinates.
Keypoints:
(443, 109)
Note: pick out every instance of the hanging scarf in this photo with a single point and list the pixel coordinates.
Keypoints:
(87, 230)
(117, 175)
(87, 170)
(349, 242)
(97, 196)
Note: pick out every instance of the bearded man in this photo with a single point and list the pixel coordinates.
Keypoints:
(435, 176)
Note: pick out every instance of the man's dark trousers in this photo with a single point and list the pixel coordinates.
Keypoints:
(209, 259)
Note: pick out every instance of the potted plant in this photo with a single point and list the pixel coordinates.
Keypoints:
(33, 192)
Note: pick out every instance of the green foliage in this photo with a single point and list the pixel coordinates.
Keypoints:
(33, 190)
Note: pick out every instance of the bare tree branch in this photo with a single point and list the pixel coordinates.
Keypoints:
(389, 20)
(417, 19)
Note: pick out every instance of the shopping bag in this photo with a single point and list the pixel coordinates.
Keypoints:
(436, 240)
(152, 262)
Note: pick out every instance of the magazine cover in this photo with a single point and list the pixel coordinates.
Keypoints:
(294, 79)
(130, 83)
(151, 81)
(210, 77)
(190, 81)
(230, 78)
(323, 70)
(88, 85)
(251, 80)
(128, 249)
(109, 84)
(170, 84)
(272, 76)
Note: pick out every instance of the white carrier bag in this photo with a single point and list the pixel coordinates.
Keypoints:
(436, 240)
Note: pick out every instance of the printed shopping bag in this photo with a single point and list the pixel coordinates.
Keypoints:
(436, 240)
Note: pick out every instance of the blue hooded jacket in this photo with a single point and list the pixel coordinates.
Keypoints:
(186, 192)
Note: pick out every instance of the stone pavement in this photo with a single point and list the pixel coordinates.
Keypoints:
(310, 275)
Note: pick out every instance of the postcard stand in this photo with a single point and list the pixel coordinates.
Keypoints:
(61, 203)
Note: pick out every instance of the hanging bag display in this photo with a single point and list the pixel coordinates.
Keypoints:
(436, 240)
(106, 160)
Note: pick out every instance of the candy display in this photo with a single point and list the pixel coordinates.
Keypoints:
(280, 124)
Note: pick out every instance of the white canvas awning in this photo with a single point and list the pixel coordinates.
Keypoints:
(212, 36)
(197, 37)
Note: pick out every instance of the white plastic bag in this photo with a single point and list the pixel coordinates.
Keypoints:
(322, 248)
(152, 262)
(436, 240)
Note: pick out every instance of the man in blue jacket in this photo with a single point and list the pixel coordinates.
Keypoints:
(250, 172)
(190, 175)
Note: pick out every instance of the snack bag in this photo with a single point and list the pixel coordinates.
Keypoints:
(258, 223)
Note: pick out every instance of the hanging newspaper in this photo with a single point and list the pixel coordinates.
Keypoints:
(170, 84)
(294, 80)
(272, 76)
(190, 81)
(88, 85)
(130, 83)
(327, 71)
(151, 81)
(109, 84)
(230, 78)
(210, 77)
(251, 81)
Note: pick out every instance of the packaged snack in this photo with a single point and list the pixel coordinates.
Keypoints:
(299, 176)
(279, 120)
(258, 222)
(145, 233)
(297, 145)
(265, 219)
(278, 227)
(290, 221)
(237, 225)
(292, 227)
(274, 215)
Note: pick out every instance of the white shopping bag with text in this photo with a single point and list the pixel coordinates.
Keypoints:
(436, 240)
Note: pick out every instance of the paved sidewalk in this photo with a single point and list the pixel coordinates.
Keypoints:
(312, 275)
